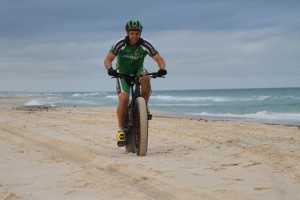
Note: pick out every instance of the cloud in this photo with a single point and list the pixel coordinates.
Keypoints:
(61, 45)
(253, 49)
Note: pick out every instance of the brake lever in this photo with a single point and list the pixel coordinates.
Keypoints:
(117, 77)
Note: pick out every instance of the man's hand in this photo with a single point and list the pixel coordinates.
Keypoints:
(161, 72)
(112, 72)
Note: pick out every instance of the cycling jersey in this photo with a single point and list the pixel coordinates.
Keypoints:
(131, 59)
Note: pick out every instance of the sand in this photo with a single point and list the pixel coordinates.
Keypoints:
(71, 153)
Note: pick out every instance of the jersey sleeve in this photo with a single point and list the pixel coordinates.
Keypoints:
(148, 47)
(117, 46)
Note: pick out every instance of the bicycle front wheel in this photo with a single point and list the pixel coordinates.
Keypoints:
(141, 126)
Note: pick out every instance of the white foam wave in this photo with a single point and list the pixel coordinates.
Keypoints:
(262, 98)
(86, 94)
(213, 99)
(180, 104)
(258, 115)
(111, 97)
(33, 102)
(292, 97)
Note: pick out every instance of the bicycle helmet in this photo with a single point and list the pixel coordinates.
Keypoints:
(134, 25)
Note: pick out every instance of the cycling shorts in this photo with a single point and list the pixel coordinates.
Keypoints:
(123, 86)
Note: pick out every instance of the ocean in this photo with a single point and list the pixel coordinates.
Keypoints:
(268, 105)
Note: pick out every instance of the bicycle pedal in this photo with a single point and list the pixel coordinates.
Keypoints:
(121, 143)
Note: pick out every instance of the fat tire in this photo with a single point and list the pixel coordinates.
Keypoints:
(141, 126)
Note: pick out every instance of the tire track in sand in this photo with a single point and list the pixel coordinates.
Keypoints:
(97, 164)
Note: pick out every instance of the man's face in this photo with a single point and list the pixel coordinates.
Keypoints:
(134, 36)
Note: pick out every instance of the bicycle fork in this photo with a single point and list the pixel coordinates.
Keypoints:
(130, 109)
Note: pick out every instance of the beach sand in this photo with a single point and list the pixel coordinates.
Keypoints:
(71, 153)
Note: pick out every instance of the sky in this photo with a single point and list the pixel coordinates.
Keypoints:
(60, 45)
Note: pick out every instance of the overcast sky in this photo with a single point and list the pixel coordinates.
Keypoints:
(60, 45)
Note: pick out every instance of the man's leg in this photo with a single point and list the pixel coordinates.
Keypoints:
(122, 108)
(146, 92)
(146, 87)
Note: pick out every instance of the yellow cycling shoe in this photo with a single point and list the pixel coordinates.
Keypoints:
(121, 138)
(149, 113)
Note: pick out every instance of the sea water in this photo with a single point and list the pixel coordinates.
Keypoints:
(269, 105)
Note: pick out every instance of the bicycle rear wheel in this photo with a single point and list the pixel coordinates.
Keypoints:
(141, 126)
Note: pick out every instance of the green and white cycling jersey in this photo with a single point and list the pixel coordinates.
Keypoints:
(131, 59)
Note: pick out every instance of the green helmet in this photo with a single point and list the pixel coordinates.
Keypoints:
(134, 25)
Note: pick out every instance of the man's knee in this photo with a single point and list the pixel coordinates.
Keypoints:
(145, 80)
(123, 98)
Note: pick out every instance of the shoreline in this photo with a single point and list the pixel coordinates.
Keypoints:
(230, 119)
(163, 114)
(21, 102)
(260, 117)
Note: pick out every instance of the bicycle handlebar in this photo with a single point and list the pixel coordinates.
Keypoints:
(137, 76)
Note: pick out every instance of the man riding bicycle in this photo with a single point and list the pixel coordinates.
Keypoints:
(131, 51)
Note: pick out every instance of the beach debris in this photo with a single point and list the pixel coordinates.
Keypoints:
(34, 108)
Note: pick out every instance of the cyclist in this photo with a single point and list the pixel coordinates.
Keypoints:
(130, 51)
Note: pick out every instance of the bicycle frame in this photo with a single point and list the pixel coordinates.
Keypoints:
(135, 93)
